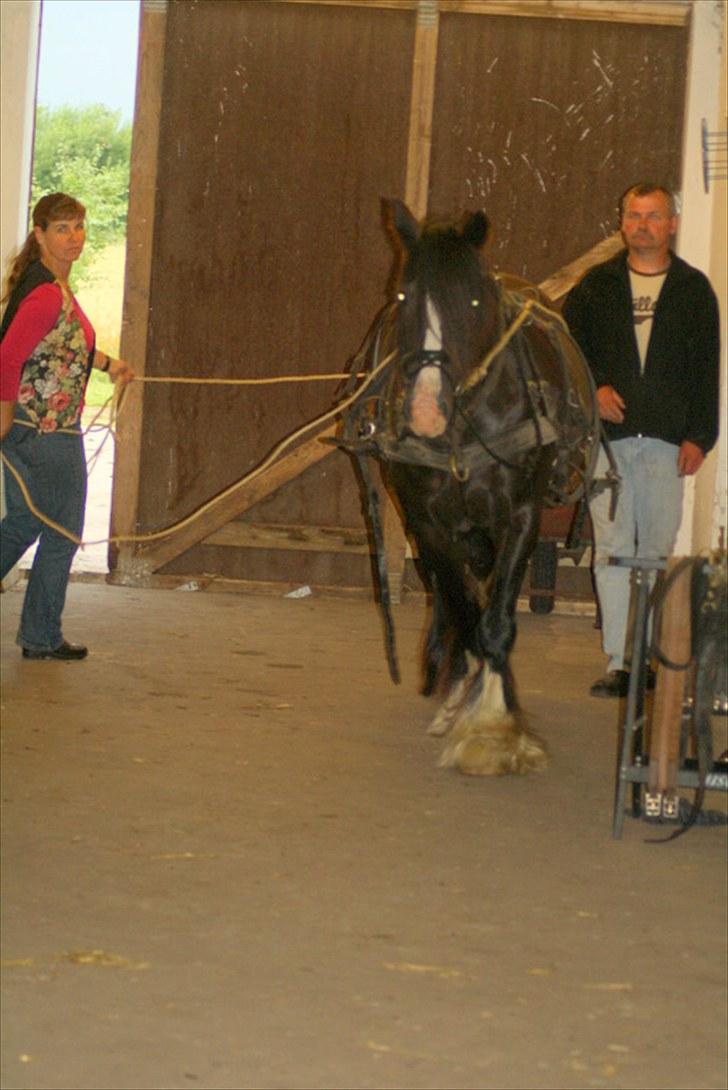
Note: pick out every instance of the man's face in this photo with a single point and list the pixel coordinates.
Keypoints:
(647, 226)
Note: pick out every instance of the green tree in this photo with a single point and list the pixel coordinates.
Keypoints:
(85, 151)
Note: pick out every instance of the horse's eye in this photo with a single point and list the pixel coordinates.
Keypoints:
(475, 302)
(401, 296)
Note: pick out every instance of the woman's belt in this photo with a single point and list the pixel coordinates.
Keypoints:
(57, 431)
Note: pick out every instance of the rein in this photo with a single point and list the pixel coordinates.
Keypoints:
(479, 373)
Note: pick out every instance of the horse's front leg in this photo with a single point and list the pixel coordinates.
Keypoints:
(489, 737)
(455, 612)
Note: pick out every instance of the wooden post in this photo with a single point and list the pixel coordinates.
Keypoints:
(137, 277)
(675, 642)
(419, 144)
(417, 180)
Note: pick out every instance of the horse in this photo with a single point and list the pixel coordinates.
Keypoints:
(480, 409)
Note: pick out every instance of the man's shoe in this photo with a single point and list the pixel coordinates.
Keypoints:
(67, 652)
(614, 683)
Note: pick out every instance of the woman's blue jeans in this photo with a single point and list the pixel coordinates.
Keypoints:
(53, 469)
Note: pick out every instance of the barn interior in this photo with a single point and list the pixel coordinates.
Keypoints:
(230, 859)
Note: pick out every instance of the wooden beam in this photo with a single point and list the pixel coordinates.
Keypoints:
(651, 12)
(645, 12)
(138, 272)
(560, 284)
(422, 103)
(312, 539)
(228, 505)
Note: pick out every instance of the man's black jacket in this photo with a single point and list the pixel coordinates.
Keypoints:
(676, 397)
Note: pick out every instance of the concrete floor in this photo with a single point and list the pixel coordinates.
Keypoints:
(230, 861)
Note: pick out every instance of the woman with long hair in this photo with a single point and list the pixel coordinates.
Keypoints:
(47, 350)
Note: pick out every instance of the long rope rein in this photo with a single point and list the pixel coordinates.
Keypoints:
(276, 452)
(476, 376)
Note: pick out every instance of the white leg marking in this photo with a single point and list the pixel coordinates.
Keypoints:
(447, 712)
(487, 739)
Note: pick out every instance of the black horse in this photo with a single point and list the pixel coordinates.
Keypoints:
(482, 410)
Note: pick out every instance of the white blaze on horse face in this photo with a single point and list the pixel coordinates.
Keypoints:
(426, 417)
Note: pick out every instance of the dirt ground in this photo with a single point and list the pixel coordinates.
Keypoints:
(230, 861)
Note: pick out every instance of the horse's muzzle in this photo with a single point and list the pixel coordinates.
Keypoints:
(428, 401)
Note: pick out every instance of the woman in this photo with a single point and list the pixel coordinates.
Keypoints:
(47, 349)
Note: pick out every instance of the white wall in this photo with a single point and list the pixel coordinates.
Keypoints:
(19, 33)
(702, 242)
(19, 36)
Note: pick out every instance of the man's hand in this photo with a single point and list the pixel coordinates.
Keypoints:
(611, 405)
(689, 459)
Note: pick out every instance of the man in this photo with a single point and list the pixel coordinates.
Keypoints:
(648, 325)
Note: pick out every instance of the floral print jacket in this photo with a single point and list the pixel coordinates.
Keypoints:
(54, 378)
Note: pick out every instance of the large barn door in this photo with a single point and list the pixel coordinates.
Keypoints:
(281, 126)
(278, 126)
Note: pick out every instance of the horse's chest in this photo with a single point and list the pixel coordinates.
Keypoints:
(460, 505)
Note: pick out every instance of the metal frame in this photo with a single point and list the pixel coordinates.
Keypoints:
(633, 762)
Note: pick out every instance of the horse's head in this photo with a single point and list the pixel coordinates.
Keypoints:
(446, 312)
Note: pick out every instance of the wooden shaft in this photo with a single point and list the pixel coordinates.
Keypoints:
(674, 638)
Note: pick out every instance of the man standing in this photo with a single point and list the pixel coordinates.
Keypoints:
(647, 323)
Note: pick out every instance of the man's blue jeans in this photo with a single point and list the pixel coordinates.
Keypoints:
(646, 523)
(53, 469)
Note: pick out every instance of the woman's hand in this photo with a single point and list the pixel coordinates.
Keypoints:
(120, 372)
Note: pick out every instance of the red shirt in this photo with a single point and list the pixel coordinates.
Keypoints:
(35, 318)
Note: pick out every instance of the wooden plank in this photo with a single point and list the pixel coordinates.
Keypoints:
(138, 272)
(665, 13)
(675, 643)
(560, 284)
(419, 145)
(228, 505)
(248, 535)
(649, 12)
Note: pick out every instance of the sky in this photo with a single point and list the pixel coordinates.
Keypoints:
(88, 53)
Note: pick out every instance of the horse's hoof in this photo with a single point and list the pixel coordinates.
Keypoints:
(507, 752)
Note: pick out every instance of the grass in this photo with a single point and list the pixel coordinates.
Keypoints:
(101, 294)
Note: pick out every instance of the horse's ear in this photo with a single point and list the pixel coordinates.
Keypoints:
(475, 229)
(399, 221)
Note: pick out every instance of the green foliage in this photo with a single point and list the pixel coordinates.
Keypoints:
(100, 389)
(85, 152)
